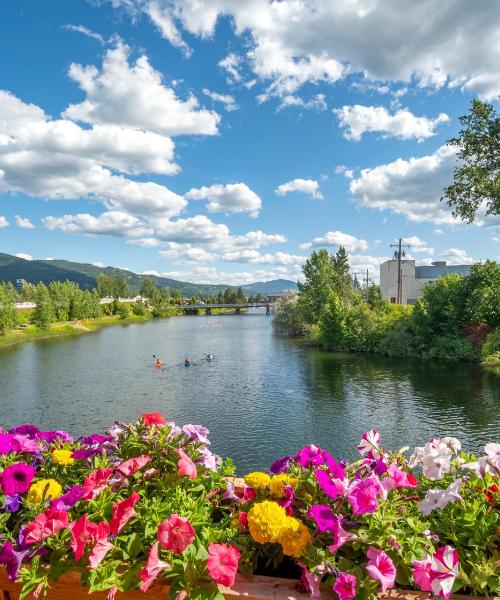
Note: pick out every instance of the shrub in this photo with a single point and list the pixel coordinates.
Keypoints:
(138, 309)
(122, 310)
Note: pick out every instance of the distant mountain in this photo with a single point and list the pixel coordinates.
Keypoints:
(34, 271)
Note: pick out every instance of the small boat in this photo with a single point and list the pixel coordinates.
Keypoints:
(210, 357)
(159, 364)
(188, 362)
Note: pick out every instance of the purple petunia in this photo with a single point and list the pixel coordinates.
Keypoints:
(12, 503)
(52, 436)
(69, 499)
(281, 465)
(27, 430)
(12, 559)
(197, 433)
(16, 478)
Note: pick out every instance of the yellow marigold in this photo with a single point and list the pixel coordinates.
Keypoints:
(44, 488)
(267, 521)
(257, 480)
(63, 457)
(295, 538)
(279, 482)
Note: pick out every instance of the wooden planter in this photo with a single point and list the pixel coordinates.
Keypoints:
(257, 587)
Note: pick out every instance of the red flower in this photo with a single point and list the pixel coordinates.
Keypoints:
(46, 524)
(122, 513)
(153, 419)
(175, 533)
(243, 519)
(95, 483)
(131, 466)
(222, 563)
(82, 532)
(489, 493)
(152, 569)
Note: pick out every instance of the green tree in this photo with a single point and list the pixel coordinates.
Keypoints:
(375, 300)
(320, 279)
(341, 262)
(43, 314)
(112, 285)
(481, 294)
(477, 178)
(148, 288)
(123, 310)
(8, 314)
(176, 296)
(160, 302)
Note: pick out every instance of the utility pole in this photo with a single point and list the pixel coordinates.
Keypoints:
(398, 255)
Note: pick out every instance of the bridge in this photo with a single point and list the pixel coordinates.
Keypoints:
(237, 307)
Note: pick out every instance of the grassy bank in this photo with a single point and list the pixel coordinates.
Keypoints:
(56, 330)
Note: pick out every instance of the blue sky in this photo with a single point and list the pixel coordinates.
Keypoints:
(220, 142)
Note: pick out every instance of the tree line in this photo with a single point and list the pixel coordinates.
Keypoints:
(457, 318)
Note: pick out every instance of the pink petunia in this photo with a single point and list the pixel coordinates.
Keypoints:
(323, 516)
(185, 465)
(45, 525)
(363, 495)
(101, 544)
(122, 513)
(153, 568)
(310, 456)
(422, 573)
(444, 570)
(345, 586)
(397, 478)
(16, 479)
(311, 582)
(82, 532)
(340, 535)
(131, 466)
(381, 567)
(176, 533)
(96, 482)
(222, 563)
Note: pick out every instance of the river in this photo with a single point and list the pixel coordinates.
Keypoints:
(264, 396)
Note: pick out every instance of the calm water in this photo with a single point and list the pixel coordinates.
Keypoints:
(263, 397)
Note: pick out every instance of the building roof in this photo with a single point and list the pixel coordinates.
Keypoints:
(440, 270)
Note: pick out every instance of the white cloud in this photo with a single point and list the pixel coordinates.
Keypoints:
(231, 64)
(458, 256)
(3, 222)
(85, 31)
(345, 171)
(226, 99)
(23, 255)
(114, 223)
(98, 264)
(24, 222)
(337, 238)
(254, 257)
(306, 186)
(357, 120)
(317, 102)
(56, 159)
(292, 42)
(417, 245)
(135, 96)
(166, 26)
(229, 198)
(212, 275)
(438, 231)
(148, 242)
(198, 229)
(410, 187)
(186, 253)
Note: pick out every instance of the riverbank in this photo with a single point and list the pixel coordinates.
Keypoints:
(67, 328)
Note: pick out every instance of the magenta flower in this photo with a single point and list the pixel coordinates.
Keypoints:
(27, 430)
(381, 567)
(323, 517)
(329, 486)
(12, 559)
(153, 568)
(444, 570)
(363, 496)
(287, 502)
(369, 444)
(335, 470)
(122, 513)
(176, 533)
(52, 436)
(95, 439)
(397, 478)
(222, 563)
(345, 586)
(6, 443)
(16, 479)
(309, 456)
(185, 465)
(24, 444)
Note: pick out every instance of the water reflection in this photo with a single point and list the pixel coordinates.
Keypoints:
(263, 397)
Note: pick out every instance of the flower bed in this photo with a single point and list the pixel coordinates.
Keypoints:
(149, 508)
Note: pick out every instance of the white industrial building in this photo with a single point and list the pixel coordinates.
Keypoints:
(413, 278)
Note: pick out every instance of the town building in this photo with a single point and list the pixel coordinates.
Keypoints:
(413, 278)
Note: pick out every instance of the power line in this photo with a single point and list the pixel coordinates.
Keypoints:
(398, 255)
